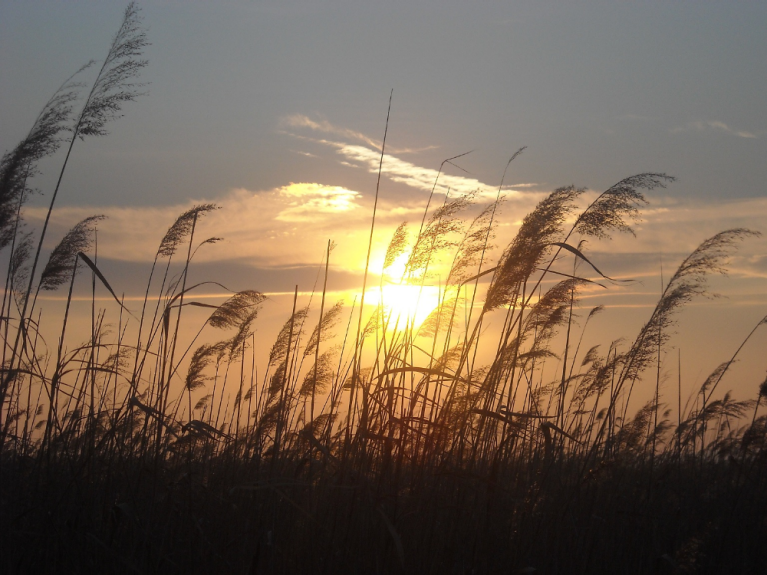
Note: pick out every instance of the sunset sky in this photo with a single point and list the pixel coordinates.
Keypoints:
(276, 112)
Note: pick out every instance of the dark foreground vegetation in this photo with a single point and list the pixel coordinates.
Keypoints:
(373, 445)
(229, 514)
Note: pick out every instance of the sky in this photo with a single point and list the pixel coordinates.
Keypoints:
(276, 112)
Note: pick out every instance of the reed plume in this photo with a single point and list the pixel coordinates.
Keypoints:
(61, 261)
(237, 309)
(474, 244)
(397, 245)
(43, 139)
(201, 359)
(324, 370)
(322, 331)
(115, 84)
(181, 228)
(290, 332)
(17, 270)
(618, 206)
(435, 237)
(688, 282)
(530, 246)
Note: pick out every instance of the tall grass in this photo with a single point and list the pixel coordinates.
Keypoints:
(445, 447)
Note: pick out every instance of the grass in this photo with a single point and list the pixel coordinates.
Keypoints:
(380, 447)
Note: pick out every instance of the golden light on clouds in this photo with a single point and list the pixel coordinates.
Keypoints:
(309, 200)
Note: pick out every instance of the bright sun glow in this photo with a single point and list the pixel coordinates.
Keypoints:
(411, 304)
(397, 268)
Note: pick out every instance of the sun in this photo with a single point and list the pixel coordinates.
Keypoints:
(406, 305)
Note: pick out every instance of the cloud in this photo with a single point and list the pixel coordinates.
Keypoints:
(713, 125)
(301, 121)
(307, 154)
(309, 200)
(284, 226)
(401, 171)
(290, 225)
(525, 185)
(421, 178)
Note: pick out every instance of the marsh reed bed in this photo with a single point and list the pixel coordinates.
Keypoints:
(364, 443)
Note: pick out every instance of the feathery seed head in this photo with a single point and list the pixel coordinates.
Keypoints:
(236, 309)
(435, 237)
(115, 84)
(618, 205)
(20, 164)
(322, 331)
(62, 260)
(474, 244)
(325, 374)
(688, 282)
(530, 246)
(279, 350)
(201, 358)
(763, 388)
(397, 245)
(181, 228)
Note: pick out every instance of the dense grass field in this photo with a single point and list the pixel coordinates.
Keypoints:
(364, 443)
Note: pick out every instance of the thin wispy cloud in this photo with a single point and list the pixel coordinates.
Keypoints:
(398, 170)
(713, 126)
(302, 153)
(302, 121)
(525, 185)
(418, 177)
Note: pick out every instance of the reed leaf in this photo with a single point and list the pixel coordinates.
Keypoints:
(102, 279)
